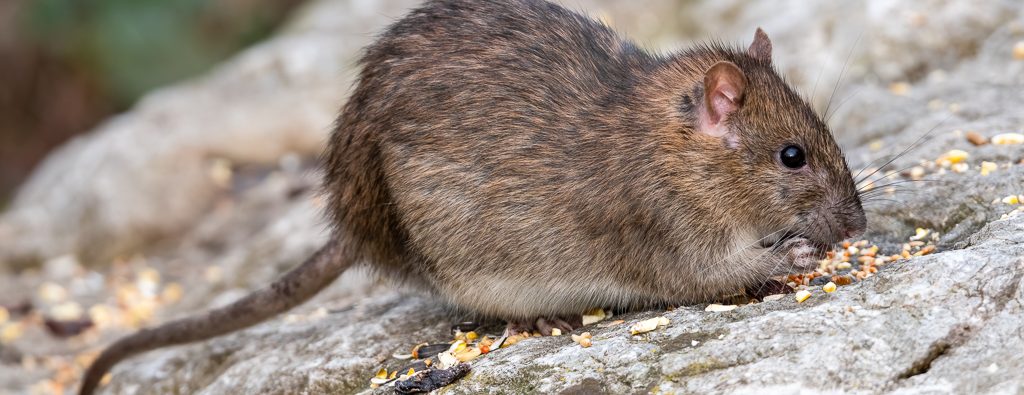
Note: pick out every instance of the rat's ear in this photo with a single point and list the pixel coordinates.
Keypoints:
(761, 48)
(724, 84)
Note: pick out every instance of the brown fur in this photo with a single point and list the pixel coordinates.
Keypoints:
(520, 161)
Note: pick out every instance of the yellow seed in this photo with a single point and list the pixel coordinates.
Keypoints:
(510, 341)
(468, 354)
(1008, 139)
(988, 167)
(459, 345)
(1012, 199)
(410, 372)
(802, 296)
(556, 332)
(471, 335)
(952, 157)
(393, 375)
(381, 374)
(593, 316)
(830, 287)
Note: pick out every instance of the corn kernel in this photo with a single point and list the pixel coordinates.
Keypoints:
(802, 296)
(1008, 139)
(952, 157)
(830, 287)
(459, 345)
(1012, 199)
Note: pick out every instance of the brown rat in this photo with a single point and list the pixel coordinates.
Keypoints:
(524, 162)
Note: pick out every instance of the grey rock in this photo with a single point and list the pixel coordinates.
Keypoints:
(942, 323)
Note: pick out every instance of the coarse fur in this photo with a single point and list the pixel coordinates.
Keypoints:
(520, 161)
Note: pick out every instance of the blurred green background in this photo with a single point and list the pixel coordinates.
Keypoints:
(65, 65)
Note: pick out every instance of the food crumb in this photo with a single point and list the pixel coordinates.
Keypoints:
(715, 307)
(953, 157)
(976, 138)
(988, 167)
(583, 339)
(802, 296)
(770, 298)
(648, 325)
(1008, 139)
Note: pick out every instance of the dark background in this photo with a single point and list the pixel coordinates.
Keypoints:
(65, 65)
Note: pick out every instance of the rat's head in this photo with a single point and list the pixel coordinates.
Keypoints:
(794, 181)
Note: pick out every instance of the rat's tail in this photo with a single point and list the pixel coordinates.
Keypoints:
(290, 290)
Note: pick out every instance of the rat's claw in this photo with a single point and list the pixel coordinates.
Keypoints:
(799, 255)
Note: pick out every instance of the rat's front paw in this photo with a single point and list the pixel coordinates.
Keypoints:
(799, 255)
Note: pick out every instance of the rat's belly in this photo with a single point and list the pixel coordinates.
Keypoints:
(527, 297)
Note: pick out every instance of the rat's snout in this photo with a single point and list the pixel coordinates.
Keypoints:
(850, 220)
(838, 222)
(856, 226)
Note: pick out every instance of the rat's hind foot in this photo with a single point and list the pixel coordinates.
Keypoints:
(544, 325)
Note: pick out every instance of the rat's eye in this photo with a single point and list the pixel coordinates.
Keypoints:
(793, 157)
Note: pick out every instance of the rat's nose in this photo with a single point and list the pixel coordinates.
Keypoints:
(855, 225)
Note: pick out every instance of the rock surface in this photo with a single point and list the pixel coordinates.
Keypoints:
(213, 176)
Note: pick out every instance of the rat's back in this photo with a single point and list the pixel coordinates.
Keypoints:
(488, 123)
